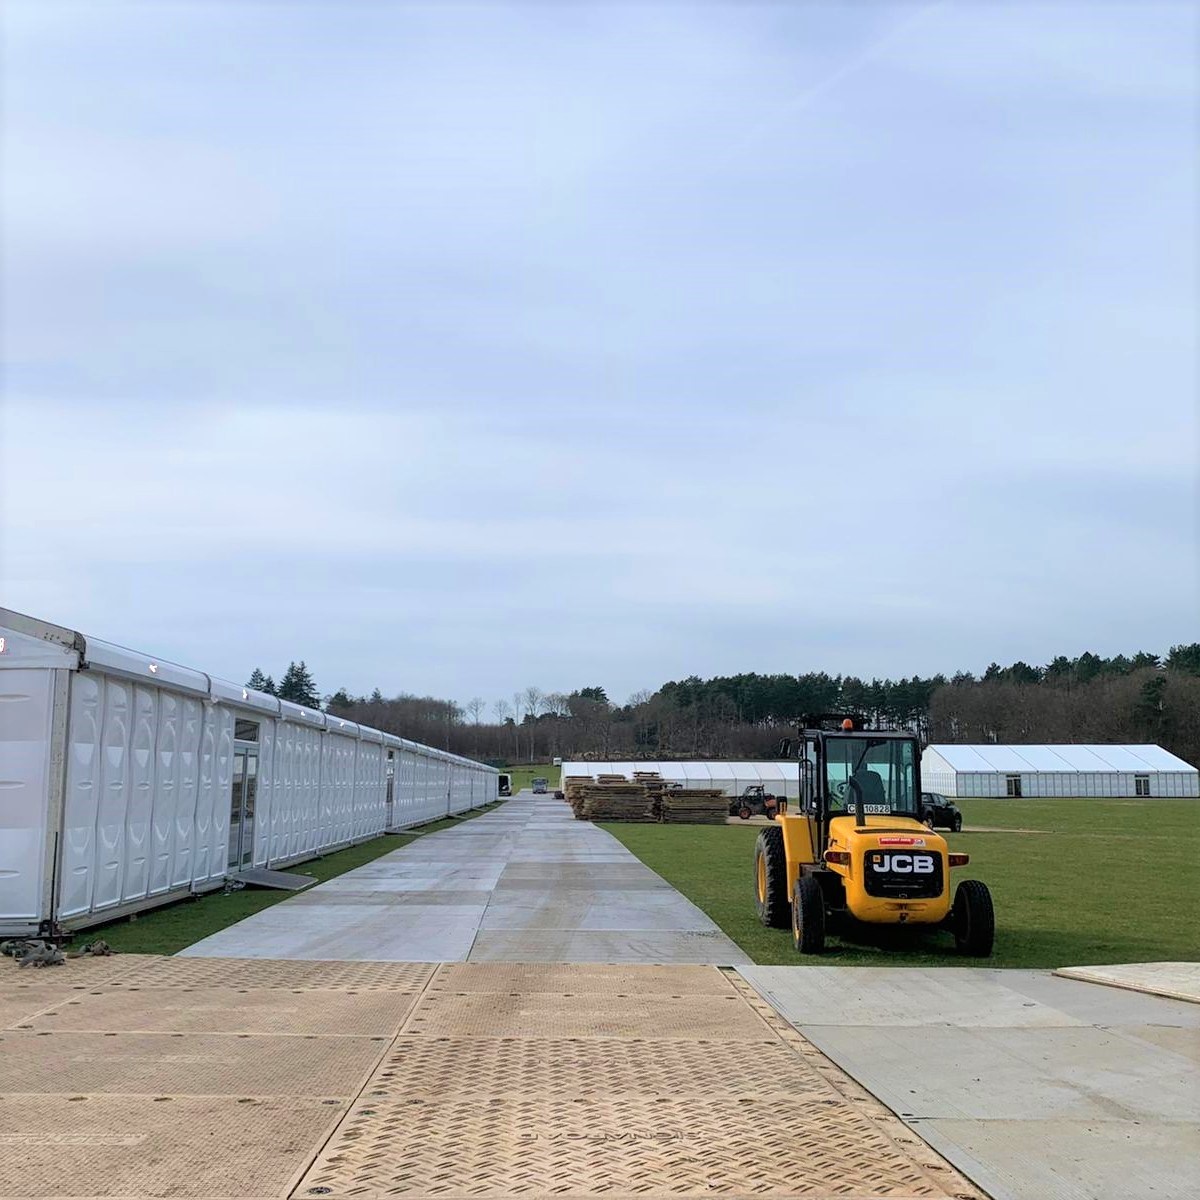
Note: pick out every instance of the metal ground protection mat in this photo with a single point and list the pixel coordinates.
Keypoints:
(19, 1008)
(229, 1093)
(679, 1147)
(564, 1070)
(142, 1146)
(180, 1065)
(229, 1010)
(543, 1014)
(608, 1094)
(574, 978)
(279, 973)
(27, 991)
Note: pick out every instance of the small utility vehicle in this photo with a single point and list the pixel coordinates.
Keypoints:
(755, 800)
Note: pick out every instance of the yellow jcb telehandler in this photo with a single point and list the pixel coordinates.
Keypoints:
(856, 850)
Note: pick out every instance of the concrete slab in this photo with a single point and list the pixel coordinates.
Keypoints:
(658, 910)
(1090, 1004)
(1034, 1086)
(409, 877)
(597, 883)
(967, 1073)
(1177, 980)
(1071, 1160)
(523, 883)
(445, 898)
(851, 996)
(1184, 1042)
(612, 946)
(561, 872)
(382, 931)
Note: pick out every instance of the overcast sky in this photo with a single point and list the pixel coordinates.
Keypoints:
(456, 349)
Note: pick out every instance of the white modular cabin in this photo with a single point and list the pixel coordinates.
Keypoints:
(127, 782)
(1010, 771)
(733, 778)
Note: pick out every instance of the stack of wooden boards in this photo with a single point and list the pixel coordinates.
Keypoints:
(612, 801)
(695, 806)
(572, 790)
(648, 797)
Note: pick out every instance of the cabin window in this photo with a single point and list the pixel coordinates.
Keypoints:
(245, 731)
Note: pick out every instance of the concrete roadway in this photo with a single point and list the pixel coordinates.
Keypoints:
(525, 882)
(1035, 1087)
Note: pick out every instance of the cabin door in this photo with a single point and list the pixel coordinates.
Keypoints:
(242, 805)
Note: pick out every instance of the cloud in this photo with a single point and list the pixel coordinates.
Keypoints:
(455, 349)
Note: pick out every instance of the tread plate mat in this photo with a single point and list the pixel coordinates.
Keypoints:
(594, 1092)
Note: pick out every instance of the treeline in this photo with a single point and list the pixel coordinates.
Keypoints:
(1139, 698)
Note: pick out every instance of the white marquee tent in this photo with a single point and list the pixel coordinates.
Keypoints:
(128, 781)
(779, 778)
(1065, 770)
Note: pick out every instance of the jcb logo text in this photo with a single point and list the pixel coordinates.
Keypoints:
(903, 864)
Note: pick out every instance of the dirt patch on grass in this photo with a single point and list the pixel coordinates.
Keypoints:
(1000, 829)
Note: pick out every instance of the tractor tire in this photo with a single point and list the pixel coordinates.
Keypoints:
(973, 919)
(770, 878)
(808, 916)
(957, 823)
(745, 813)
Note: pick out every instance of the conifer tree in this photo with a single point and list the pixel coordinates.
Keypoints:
(298, 686)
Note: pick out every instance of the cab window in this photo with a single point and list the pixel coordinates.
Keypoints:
(883, 769)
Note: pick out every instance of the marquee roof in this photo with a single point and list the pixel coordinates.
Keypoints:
(1095, 758)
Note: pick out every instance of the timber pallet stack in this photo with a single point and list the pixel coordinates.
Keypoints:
(614, 801)
(573, 786)
(655, 785)
(695, 806)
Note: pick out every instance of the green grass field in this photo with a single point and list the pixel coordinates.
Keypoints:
(169, 929)
(1109, 881)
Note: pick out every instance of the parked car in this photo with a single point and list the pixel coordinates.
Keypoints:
(541, 787)
(938, 810)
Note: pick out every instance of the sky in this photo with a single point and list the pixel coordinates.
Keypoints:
(455, 349)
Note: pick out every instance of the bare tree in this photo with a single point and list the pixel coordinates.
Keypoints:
(503, 711)
(475, 707)
(518, 703)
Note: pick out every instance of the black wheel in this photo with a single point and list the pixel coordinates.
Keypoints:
(808, 916)
(744, 813)
(956, 824)
(770, 878)
(973, 919)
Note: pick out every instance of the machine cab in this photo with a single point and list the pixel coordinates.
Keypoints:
(859, 774)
